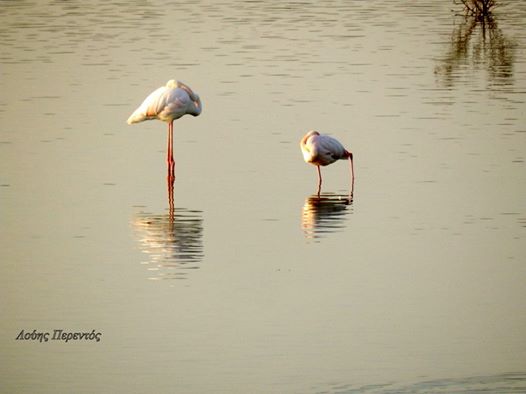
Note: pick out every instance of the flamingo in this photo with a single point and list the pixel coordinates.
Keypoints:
(322, 150)
(168, 103)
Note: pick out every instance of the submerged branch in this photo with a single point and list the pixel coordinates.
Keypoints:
(477, 8)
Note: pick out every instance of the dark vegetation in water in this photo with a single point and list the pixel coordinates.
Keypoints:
(477, 8)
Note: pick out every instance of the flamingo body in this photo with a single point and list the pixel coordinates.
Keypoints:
(322, 150)
(168, 103)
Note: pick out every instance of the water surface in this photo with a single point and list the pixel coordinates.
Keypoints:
(242, 278)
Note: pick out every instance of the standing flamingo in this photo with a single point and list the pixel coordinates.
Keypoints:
(322, 150)
(168, 103)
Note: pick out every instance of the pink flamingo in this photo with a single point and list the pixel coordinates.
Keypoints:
(168, 103)
(322, 150)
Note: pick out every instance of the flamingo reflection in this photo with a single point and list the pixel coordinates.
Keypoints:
(324, 213)
(172, 241)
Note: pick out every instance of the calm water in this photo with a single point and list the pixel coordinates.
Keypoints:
(241, 278)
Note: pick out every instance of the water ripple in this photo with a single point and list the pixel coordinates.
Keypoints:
(505, 383)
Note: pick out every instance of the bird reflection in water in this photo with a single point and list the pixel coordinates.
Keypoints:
(476, 42)
(172, 241)
(324, 213)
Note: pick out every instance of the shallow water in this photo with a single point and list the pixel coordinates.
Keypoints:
(241, 278)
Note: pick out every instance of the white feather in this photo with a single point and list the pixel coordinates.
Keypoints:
(321, 150)
(167, 103)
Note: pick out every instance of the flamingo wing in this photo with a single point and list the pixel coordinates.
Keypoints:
(165, 104)
(175, 103)
(332, 148)
(324, 150)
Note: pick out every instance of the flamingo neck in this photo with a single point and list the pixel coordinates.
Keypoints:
(197, 107)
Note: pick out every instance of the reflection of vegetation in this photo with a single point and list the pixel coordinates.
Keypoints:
(475, 42)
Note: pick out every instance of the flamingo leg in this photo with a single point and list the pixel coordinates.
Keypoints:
(351, 168)
(170, 156)
(319, 179)
(351, 165)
